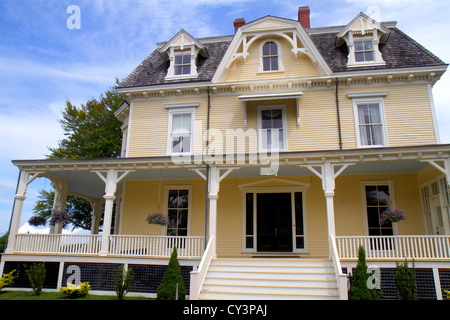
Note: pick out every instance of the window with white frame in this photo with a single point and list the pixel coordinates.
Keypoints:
(178, 205)
(370, 124)
(180, 131)
(182, 64)
(364, 51)
(270, 56)
(272, 128)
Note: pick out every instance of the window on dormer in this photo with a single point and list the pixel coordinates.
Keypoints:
(364, 51)
(270, 56)
(182, 64)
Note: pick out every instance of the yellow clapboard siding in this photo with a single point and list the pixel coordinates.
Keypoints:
(299, 67)
(406, 109)
(141, 198)
(149, 125)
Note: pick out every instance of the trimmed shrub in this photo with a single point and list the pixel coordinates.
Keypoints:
(123, 281)
(405, 279)
(359, 289)
(36, 276)
(7, 279)
(166, 290)
(74, 291)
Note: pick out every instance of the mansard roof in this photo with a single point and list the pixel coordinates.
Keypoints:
(399, 51)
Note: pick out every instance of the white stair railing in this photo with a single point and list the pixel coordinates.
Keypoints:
(198, 276)
(341, 277)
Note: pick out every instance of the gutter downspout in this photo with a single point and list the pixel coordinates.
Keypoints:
(207, 170)
(338, 114)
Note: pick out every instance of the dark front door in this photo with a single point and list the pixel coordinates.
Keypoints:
(274, 222)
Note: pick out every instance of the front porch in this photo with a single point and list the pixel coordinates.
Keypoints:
(323, 202)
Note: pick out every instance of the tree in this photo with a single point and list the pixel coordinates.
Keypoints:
(405, 279)
(92, 131)
(359, 289)
(123, 281)
(166, 290)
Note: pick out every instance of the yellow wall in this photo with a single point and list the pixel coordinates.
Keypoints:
(407, 111)
(141, 198)
(299, 67)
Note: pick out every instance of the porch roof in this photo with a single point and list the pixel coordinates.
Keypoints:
(83, 180)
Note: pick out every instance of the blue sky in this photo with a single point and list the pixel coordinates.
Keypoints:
(43, 63)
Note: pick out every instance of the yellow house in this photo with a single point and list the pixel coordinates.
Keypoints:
(272, 153)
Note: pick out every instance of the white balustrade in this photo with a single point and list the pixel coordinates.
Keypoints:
(121, 245)
(57, 243)
(416, 247)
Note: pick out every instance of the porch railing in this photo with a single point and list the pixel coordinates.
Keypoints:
(156, 246)
(58, 243)
(123, 245)
(418, 247)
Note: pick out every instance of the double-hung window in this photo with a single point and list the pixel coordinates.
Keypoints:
(178, 211)
(364, 51)
(180, 131)
(270, 56)
(370, 124)
(272, 128)
(182, 64)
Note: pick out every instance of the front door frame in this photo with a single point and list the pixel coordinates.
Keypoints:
(253, 188)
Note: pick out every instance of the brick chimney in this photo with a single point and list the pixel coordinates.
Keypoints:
(303, 17)
(238, 23)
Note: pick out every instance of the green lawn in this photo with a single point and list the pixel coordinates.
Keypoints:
(28, 295)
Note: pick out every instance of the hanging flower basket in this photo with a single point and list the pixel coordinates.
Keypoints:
(392, 216)
(59, 217)
(156, 218)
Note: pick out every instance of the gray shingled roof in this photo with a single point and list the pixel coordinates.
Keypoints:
(400, 51)
(153, 70)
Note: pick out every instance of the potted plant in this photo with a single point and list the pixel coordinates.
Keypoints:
(59, 217)
(157, 218)
(392, 216)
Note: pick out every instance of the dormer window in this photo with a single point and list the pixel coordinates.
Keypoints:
(363, 36)
(182, 64)
(182, 52)
(270, 56)
(364, 51)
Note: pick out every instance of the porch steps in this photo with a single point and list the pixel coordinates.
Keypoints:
(270, 279)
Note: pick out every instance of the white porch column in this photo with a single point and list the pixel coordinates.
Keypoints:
(61, 188)
(214, 179)
(111, 180)
(443, 165)
(25, 178)
(97, 209)
(328, 175)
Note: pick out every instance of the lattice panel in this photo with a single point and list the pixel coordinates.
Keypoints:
(99, 275)
(148, 277)
(424, 279)
(21, 280)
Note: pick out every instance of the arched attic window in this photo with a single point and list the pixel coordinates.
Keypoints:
(270, 56)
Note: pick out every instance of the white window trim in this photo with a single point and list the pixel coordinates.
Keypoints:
(369, 100)
(364, 201)
(377, 56)
(259, 120)
(174, 111)
(261, 63)
(166, 209)
(171, 71)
